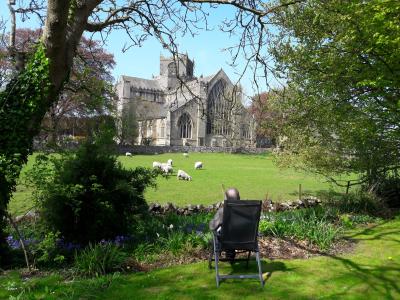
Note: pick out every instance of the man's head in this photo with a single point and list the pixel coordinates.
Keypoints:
(232, 194)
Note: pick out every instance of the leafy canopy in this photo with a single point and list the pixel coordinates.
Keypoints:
(341, 62)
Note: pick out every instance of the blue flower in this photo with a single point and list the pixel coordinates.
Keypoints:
(13, 243)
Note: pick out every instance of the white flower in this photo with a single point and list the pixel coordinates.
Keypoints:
(157, 234)
(171, 226)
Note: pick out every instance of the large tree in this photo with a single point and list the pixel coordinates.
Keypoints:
(341, 62)
(88, 92)
(268, 117)
(33, 91)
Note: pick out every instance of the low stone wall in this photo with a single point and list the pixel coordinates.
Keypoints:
(140, 149)
(267, 206)
(188, 210)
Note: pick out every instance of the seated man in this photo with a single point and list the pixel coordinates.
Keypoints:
(216, 222)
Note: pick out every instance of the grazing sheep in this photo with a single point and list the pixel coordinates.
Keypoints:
(128, 154)
(156, 164)
(167, 169)
(198, 165)
(183, 175)
(186, 155)
(169, 162)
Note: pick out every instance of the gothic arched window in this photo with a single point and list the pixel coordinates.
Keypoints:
(172, 69)
(185, 126)
(218, 109)
(162, 129)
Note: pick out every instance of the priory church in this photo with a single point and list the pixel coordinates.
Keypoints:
(177, 108)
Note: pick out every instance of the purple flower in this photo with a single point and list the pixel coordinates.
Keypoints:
(68, 246)
(120, 240)
(13, 243)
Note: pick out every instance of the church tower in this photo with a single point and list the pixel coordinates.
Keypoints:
(171, 68)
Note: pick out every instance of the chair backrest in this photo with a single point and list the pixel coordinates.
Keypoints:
(240, 224)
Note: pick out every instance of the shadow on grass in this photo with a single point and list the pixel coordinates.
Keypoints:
(267, 267)
(381, 276)
(370, 233)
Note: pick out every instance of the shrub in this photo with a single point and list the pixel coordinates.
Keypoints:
(314, 224)
(88, 196)
(99, 259)
(360, 202)
(389, 190)
(47, 251)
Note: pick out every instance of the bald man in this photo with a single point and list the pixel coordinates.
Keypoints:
(230, 194)
(216, 222)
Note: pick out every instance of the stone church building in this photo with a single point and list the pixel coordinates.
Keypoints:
(177, 108)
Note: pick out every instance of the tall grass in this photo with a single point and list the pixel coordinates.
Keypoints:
(99, 259)
(171, 233)
(317, 225)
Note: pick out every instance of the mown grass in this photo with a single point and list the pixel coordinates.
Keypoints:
(371, 271)
(254, 176)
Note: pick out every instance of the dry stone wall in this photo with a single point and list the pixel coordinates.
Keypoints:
(140, 149)
(267, 206)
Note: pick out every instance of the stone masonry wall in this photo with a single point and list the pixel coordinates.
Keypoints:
(140, 149)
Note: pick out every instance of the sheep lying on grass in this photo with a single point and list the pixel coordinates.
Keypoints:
(183, 175)
(169, 162)
(198, 165)
(128, 154)
(186, 155)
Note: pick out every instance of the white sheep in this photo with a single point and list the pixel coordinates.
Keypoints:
(156, 164)
(166, 168)
(198, 165)
(169, 162)
(186, 155)
(128, 154)
(183, 175)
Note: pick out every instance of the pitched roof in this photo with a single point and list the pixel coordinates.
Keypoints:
(208, 78)
(144, 84)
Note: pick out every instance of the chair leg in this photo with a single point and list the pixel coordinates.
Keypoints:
(259, 268)
(210, 257)
(248, 258)
(216, 257)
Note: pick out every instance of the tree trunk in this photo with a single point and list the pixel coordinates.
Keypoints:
(25, 101)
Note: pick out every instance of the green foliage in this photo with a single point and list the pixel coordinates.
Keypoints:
(314, 225)
(359, 202)
(388, 189)
(22, 106)
(171, 233)
(99, 259)
(88, 195)
(342, 64)
(47, 252)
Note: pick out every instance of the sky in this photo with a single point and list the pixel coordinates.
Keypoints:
(205, 49)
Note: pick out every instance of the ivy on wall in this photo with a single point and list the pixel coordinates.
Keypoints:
(22, 106)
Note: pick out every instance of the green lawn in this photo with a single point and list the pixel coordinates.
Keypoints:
(254, 176)
(372, 271)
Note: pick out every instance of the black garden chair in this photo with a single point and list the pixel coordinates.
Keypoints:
(238, 232)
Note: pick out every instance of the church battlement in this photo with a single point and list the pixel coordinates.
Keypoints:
(180, 65)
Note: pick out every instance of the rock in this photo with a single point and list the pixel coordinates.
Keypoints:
(299, 203)
(282, 206)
